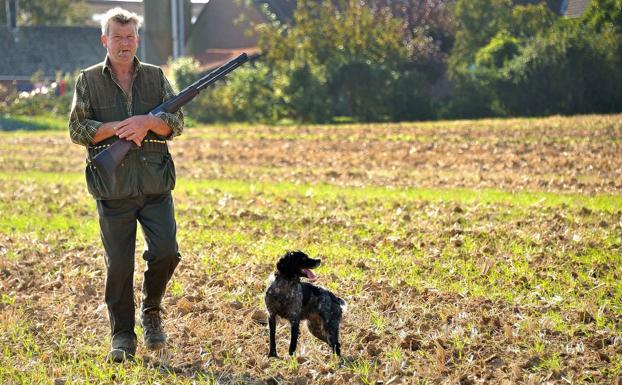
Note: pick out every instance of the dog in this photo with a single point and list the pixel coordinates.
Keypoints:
(297, 301)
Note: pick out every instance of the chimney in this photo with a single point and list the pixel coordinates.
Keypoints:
(11, 13)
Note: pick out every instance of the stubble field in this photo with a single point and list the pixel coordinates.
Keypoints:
(469, 252)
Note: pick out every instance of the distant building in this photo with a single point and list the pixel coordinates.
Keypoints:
(50, 50)
(574, 8)
(210, 32)
(568, 8)
(219, 31)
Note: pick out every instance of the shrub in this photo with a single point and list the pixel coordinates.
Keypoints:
(567, 71)
(183, 72)
(245, 96)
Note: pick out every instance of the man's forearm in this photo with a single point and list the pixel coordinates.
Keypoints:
(153, 123)
(160, 127)
(105, 131)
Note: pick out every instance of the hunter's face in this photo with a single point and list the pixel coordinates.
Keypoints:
(121, 42)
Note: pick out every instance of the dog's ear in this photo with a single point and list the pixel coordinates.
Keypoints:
(285, 265)
(297, 255)
(288, 265)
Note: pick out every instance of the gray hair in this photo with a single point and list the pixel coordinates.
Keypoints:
(121, 16)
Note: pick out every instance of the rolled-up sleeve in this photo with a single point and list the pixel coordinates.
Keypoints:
(82, 128)
(176, 120)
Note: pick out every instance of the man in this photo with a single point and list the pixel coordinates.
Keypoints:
(111, 102)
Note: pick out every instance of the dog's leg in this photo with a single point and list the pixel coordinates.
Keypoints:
(295, 331)
(333, 337)
(272, 326)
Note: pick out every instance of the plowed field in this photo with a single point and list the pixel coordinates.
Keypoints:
(469, 252)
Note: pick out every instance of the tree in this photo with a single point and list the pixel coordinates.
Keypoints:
(478, 21)
(337, 58)
(52, 12)
(184, 71)
(531, 20)
(569, 70)
(490, 34)
(605, 15)
(427, 25)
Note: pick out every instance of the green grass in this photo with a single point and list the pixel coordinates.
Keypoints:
(469, 273)
(338, 217)
(31, 123)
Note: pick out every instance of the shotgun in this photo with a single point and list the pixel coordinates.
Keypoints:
(110, 158)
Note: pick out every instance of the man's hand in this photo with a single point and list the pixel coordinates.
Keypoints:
(135, 128)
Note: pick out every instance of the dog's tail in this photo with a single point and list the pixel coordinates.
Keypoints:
(343, 304)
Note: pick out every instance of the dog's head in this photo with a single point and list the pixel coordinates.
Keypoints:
(297, 264)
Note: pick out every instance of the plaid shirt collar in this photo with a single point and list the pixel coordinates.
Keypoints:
(108, 66)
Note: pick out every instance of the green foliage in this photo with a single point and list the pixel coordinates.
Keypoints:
(534, 64)
(44, 102)
(567, 71)
(184, 71)
(527, 21)
(32, 122)
(307, 94)
(247, 95)
(409, 95)
(605, 15)
(323, 44)
(501, 48)
(337, 59)
(360, 90)
(478, 21)
(52, 12)
(40, 104)
(395, 60)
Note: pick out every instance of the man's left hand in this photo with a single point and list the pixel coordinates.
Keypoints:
(134, 128)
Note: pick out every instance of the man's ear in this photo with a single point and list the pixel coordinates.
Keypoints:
(104, 41)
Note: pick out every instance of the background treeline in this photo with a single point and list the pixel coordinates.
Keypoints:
(399, 60)
(383, 60)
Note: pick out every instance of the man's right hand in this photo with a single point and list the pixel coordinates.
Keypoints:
(135, 128)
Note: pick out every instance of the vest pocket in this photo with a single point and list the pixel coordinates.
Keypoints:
(158, 174)
(121, 186)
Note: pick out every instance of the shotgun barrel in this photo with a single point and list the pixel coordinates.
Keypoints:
(109, 159)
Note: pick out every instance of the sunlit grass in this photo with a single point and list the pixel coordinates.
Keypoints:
(466, 273)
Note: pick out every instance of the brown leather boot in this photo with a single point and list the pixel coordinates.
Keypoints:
(123, 348)
(155, 339)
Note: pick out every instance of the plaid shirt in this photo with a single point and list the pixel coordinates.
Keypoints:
(82, 127)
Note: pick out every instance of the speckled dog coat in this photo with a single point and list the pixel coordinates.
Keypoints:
(289, 298)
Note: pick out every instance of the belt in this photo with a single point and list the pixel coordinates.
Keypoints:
(150, 145)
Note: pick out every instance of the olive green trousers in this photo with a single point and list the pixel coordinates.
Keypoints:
(118, 222)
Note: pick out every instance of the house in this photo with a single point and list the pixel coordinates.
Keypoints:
(49, 50)
(574, 8)
(568, 8)
(219, 32)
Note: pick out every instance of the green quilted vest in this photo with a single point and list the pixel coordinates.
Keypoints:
(146, 170)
